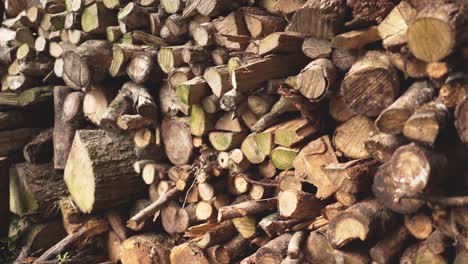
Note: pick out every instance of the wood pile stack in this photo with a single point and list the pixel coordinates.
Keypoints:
(235, 131)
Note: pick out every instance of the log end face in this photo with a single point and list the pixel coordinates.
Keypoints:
(79, 176)
(344, 230)
(392, 121)
(430, 39)
(76, 71)
(287, 203)
(410, 170)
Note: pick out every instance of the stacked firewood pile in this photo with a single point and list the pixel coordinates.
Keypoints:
(227, 131)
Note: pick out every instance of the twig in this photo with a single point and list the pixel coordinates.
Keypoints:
(151, 209)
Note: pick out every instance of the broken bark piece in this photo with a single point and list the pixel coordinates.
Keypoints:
(88, 173)
(441, 25)
(298, 204)
(321, 19)
(371, 85)
(316, 79)
(393, 119)
(349, 138)
(366, 218)
(426, 123)
(87, 64)
(308, 165)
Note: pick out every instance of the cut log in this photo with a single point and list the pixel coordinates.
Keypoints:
(349, 138)
(442, 27)
(415, 169)
(381, 146)
(371, 85)
(385, 190)
(387, 249)
(319, 250)
(35, 190)
(177, 140)
(393, 119)
(280, 42)
(282, 157)
(170, 58)
(419, 225)
(88, 173)
(320, 19)
(298, 204)
(308, 165)
(368, 13)
(143, 68)
(87, 64)
(146, 248)
(316, 79)
(355, 39)
(186, 253)
(246, 208)
(133, 16)
(274, 251)
(262, 23)
(426, 123)
(393, 28)
(232, 25)
(360, 221)
(96, 18)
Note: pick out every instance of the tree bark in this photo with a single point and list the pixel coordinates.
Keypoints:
(87, 64)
